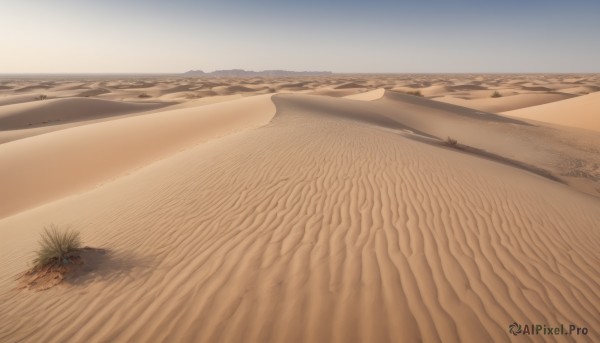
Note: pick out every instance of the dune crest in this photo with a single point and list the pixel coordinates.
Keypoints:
(505, 103)
(581, 112)
(367, 96)
(59, 163)
(62, 111)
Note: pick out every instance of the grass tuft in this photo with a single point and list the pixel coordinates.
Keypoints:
(56, 247)
(144, 95)
(42, 97)
(451, 141)
(496, 94)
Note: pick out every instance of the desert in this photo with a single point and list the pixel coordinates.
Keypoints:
(325, 207)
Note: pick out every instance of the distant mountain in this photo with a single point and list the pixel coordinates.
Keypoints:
(248, 73)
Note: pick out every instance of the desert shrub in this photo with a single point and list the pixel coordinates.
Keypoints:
(56, 246)
(42, 97)
(496, 94)
(144, 95)
(451, 141)
(415, 93)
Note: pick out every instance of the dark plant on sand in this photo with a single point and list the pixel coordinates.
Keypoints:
(450, 141)
(58, 247)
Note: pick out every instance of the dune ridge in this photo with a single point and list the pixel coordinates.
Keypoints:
(506, 103)
(61, 111)
(80, 157)
(331, 223)
(367, 96)
(580, 112)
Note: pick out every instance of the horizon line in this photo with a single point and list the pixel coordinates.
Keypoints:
(298, 71)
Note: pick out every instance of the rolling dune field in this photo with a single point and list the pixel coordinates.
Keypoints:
(317, 209)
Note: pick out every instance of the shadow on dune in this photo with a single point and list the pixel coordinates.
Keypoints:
(105, 265)
(68, 110)
(454, 109)
(339, 108)
(488, 156)
(402, 114)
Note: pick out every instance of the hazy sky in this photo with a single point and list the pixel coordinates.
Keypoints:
(342, 36)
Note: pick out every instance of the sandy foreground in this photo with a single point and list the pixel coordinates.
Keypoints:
(323, 209)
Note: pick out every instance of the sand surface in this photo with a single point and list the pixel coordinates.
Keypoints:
(367, 96)
(305, 216)
(506, 103)
(56, 164)
(582, 112)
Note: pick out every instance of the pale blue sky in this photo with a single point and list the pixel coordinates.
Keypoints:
(342, 36)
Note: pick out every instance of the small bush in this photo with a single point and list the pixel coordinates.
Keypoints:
(415, 93)
(451, 141)
(42, 97)
(56, 247)
(496, 94)
(144, 95)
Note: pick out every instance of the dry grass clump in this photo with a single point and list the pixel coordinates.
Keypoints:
(60, 253)
(496, 94)
(57, 248)
(144, 95)
(450, 141)
(42, 97)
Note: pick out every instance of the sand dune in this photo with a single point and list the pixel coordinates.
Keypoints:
(183, 89)
(467, 87)
(200, 100)
(339, 221)
(367, 96)
(505, 103)
(291, 86)
(581, 112)
(93, 92)
(61, 111)
(580, 90)
(70, 86)
(349, 85)
(180, 88)
(59, 163)
(35, 87)
(11, 135)
(537, 88)
(337, 92)
(432, 91)
(228, 90)
(19, 98)
(564, 153)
